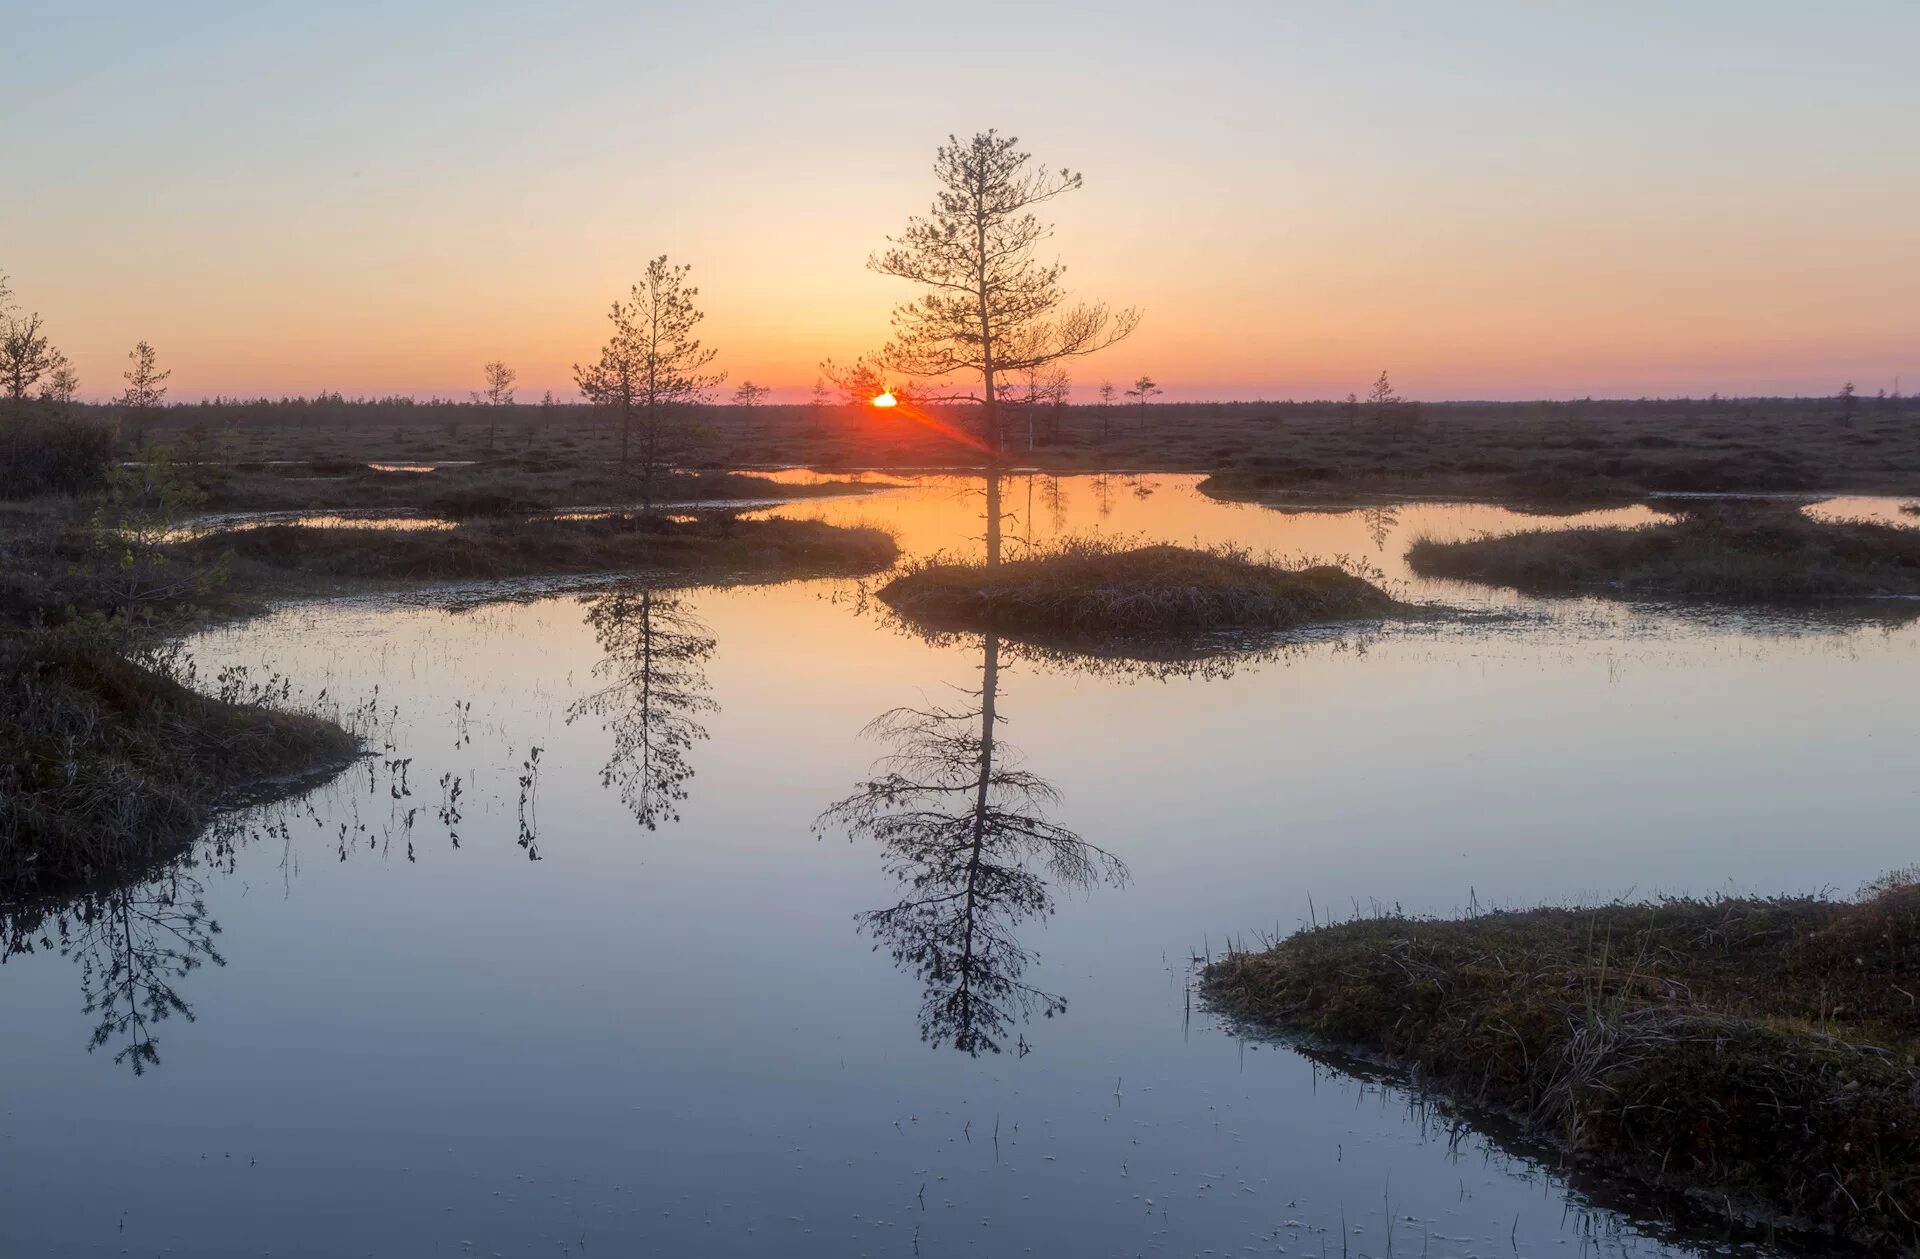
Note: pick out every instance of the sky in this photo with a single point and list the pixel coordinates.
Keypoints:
(1487, 200)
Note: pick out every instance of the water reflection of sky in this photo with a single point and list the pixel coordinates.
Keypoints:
(679, 1041)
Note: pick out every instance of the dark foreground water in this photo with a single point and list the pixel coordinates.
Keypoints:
(578, 966)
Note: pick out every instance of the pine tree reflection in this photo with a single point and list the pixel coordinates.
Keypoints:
(655, 689)
(962, 826)
(133, 943)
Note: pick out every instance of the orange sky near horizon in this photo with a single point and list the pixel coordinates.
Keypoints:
(1507, 203)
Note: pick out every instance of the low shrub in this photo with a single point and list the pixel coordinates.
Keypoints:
(46, 454)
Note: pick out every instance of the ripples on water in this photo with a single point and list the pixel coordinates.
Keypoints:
(740, 921)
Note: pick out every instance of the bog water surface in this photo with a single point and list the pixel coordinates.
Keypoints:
(666, 922)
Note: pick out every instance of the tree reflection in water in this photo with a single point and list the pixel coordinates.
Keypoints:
(132, 942)
(962, 826)
(654, 691)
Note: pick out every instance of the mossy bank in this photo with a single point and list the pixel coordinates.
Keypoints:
(108, 766)
(1757, 1052)
(1726, 553)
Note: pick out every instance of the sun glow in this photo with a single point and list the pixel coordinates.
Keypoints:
(886, 400)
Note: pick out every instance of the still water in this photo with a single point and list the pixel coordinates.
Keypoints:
(655, 928)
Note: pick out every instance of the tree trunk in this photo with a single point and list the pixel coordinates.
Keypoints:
(993, 512)
(651, 456)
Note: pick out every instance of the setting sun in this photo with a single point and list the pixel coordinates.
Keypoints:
(886, 400)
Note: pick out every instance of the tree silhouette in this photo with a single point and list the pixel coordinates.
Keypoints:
(497, 394)
(25, 354)
(61, 384)
(990, 309)
(963, 828)
(1107, 395)
(652, 367)
(1144, 391)
(1382, 399)
(654, 691)
(146, 388)
(817, 408)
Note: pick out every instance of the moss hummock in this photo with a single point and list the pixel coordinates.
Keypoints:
(1090, 590)
(1757, 1051)
(108, 766)
(1728, 553)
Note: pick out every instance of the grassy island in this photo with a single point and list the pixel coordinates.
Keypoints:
(1734, 554)
(1093, 590)
(108, 766)
(302, 558)
(1757, 1052)
(501, 485)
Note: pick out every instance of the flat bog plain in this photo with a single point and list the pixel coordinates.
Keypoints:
(583, 959)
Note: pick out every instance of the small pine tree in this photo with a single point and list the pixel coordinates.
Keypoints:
(1144, 389)
(818, 407)
(498, 394)
(1382, 399)
(145, 391)
(652, 367)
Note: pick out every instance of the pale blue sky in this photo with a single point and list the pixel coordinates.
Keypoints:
(1490, 199)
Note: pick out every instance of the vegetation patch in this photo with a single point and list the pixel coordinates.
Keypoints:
(512, 485)
(1739, 554)
(1760, 1052)
(108, 766)
(1093, 590)
(52, 454)
(1543, 469)
(298, 558)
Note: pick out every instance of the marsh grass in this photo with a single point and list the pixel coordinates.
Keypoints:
(109, 765)
(1091, 589)
(514, 485)
(287, 558)
(1757, 1051)
(1730, 553)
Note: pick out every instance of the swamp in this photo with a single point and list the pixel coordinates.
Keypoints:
(855, 938)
